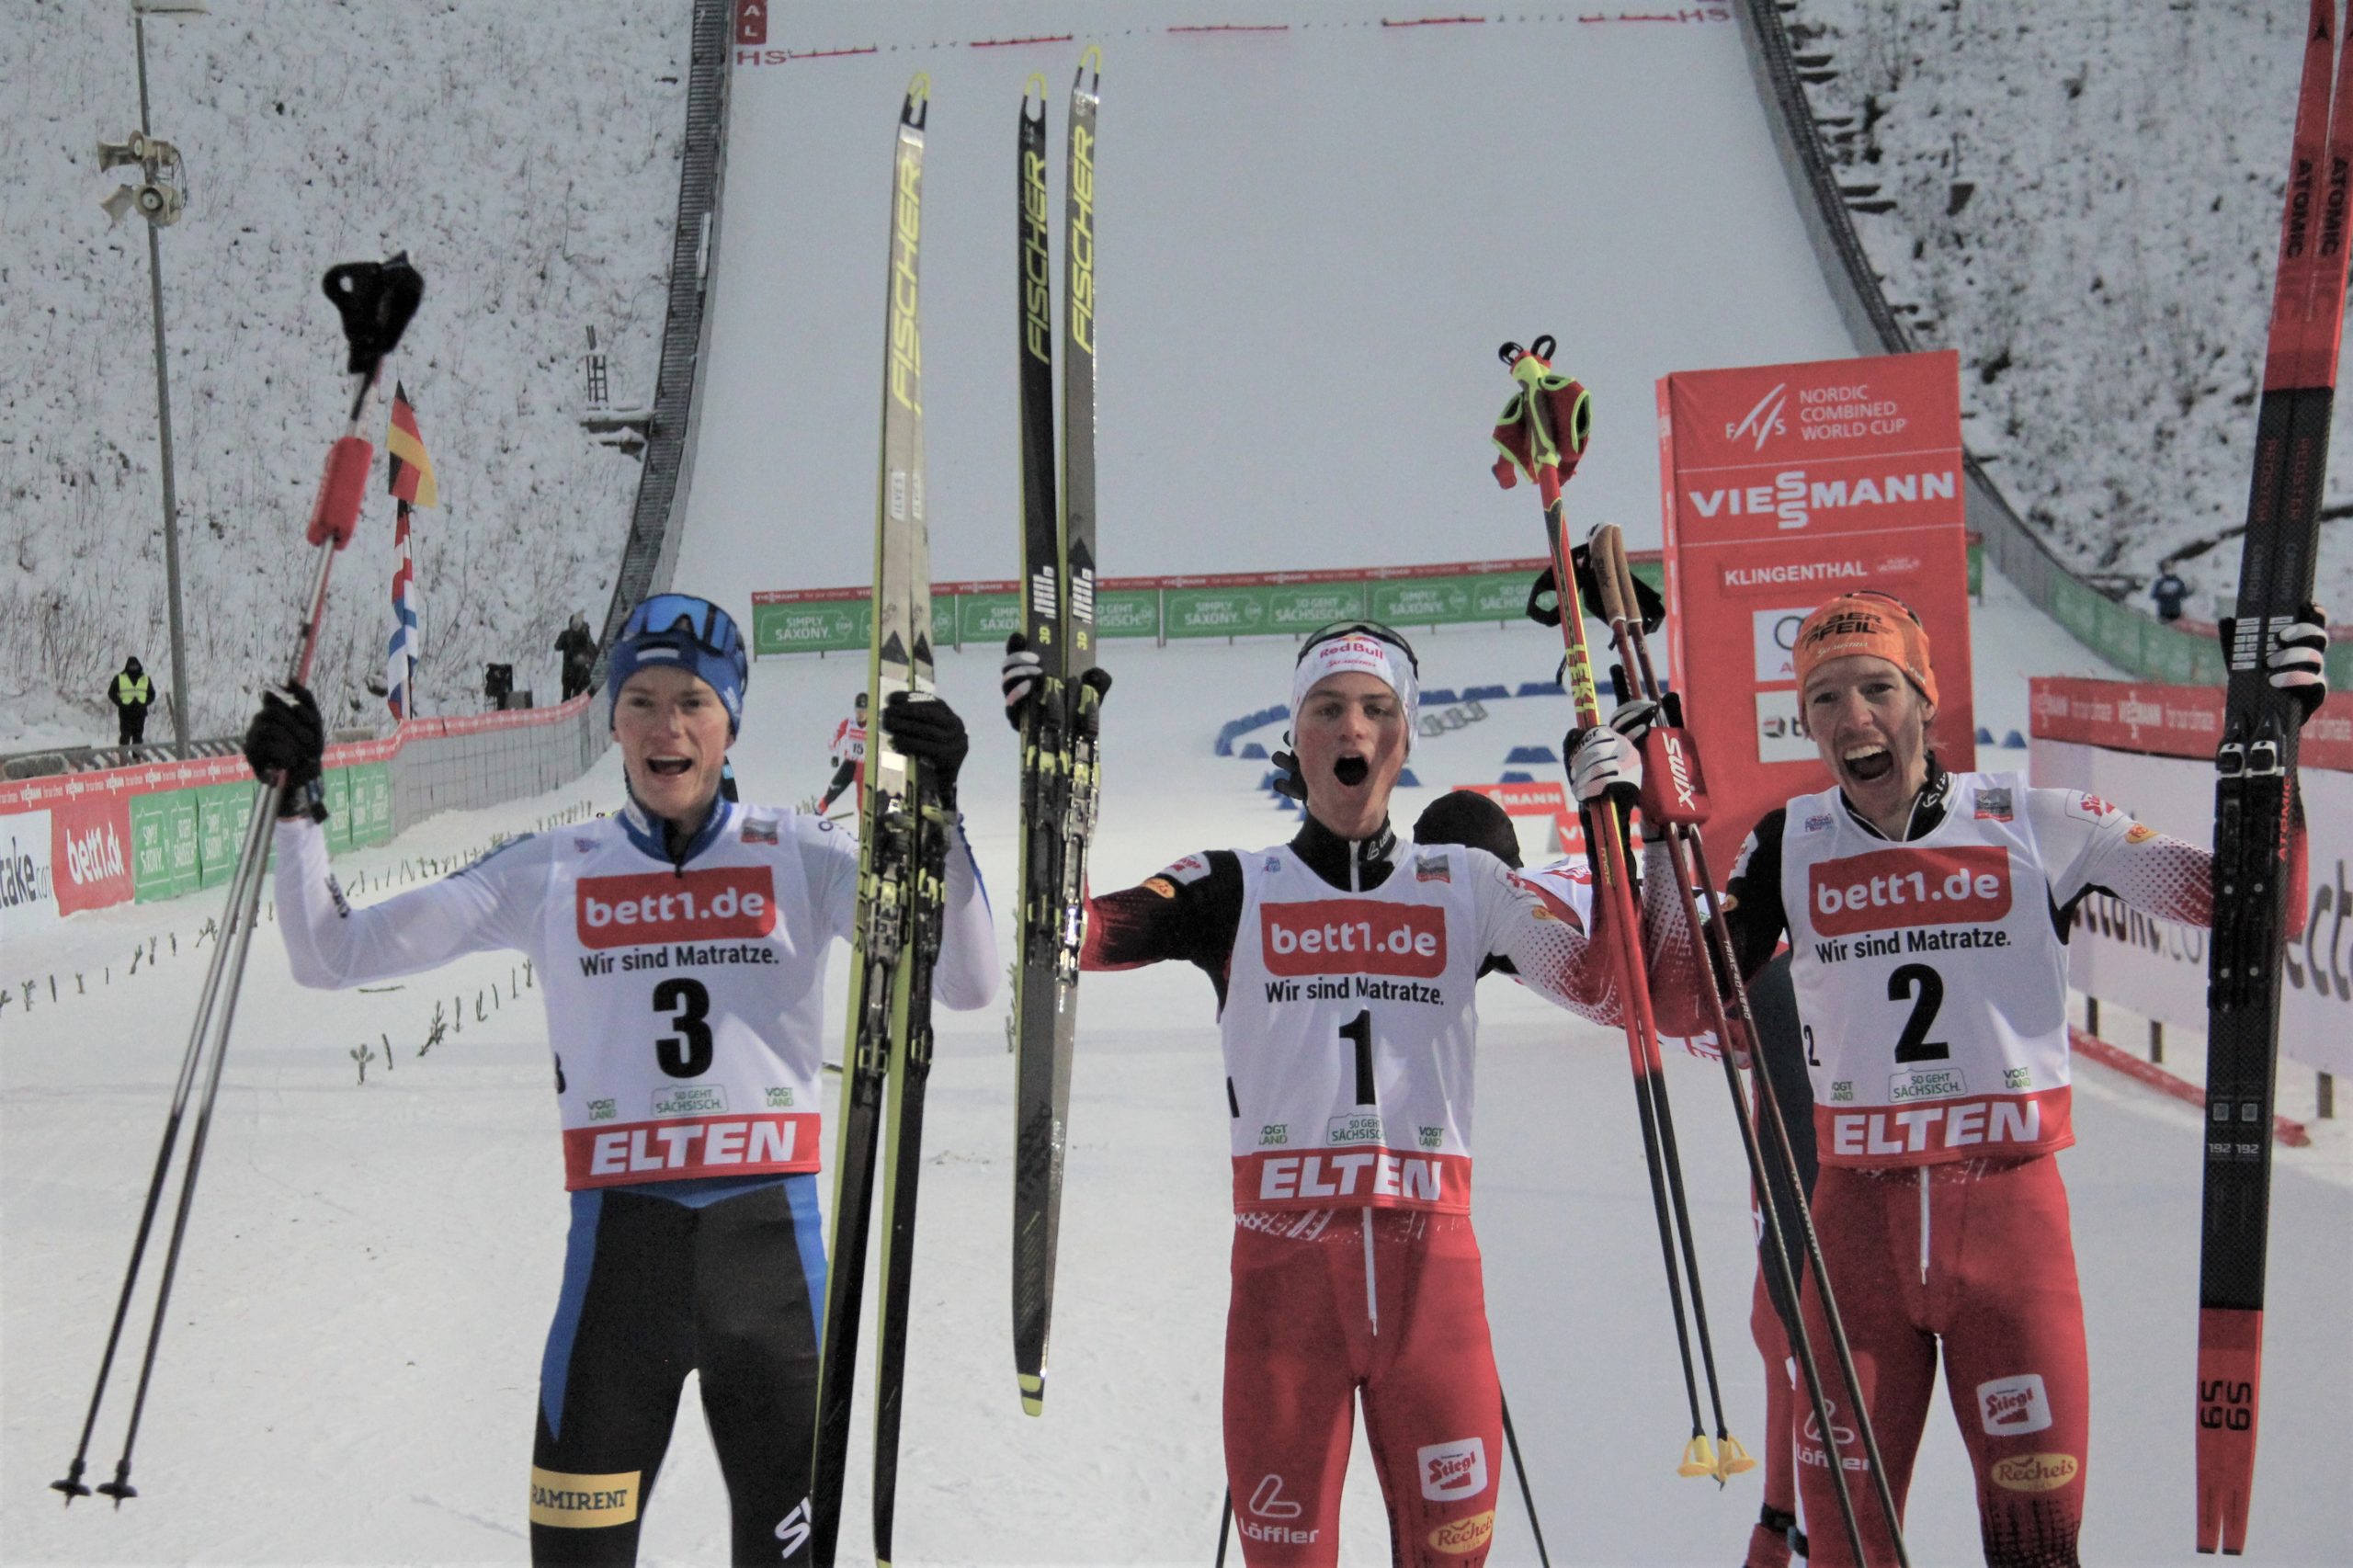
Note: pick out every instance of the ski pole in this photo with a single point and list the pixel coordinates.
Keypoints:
(1686, 851)
(375, 301)
(1606, 850)
(1224, 1526)
(1526, 1496)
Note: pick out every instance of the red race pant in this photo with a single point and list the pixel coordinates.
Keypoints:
(1315, 1322)
(1994, 1287)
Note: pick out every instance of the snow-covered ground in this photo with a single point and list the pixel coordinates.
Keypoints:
(2087, 203)
(353, 1345)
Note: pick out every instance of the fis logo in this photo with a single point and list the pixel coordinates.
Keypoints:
(1763, 422)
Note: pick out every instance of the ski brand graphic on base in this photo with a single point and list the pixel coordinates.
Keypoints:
(670, 907)
(1888, 889)
(2013, 1406)
(1353, 936)
(583, 1501)
(1453, 1471)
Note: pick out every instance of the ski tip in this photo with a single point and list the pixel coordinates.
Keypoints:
(1090, 64)
(1035, 87)
(1033, 1393)
(917, 106)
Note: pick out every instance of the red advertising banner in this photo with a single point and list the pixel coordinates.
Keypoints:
(1782, 486)
(90, 851)
(2171, 720)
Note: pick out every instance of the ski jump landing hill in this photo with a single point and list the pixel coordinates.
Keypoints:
(1314, 224)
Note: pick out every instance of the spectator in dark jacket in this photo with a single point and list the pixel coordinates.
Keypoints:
(578, 647)
(2168, 590)
(130, 692)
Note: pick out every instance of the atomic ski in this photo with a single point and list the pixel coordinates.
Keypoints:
(2256, 769)
(902, 847)
(1059, 774)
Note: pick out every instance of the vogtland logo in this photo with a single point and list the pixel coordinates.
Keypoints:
(660, 906)
(1353, 936)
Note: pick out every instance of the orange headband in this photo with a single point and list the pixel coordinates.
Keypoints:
(1869, 623)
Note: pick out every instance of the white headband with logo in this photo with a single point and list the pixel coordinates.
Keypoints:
(1362, 654)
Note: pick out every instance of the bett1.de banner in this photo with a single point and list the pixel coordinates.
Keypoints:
(1783, 486)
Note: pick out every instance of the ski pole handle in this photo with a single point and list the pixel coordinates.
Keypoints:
(334, 515)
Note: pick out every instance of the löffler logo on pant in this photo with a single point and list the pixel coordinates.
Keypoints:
(1453, 1470)
(1267, 1503)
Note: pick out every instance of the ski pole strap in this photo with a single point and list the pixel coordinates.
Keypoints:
(335, 514)
(376, 299)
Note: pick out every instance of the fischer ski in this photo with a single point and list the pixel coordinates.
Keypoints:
(2254, 795)
(901, 848)
(1060, 776)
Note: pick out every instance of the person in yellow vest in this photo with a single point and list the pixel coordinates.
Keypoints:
(130, 692)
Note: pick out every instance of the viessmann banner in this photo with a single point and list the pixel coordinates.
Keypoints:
(1783, 486)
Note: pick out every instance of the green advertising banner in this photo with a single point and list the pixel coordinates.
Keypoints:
(1216, 612)
(1442, 601)
(1303, 608)
(986, 618)
(339, 796)
(221, 813)
(820, 627)
(371, 803)
(1127, 612)
(162, 845)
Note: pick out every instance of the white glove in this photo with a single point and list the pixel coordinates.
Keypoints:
(1602, 761)
(1020, 676)
(2299, 661)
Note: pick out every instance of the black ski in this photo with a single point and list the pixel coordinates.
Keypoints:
(2256, 767)
(1059, 768)
(898, 905)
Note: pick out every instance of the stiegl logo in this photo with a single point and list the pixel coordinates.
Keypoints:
(1455, 1470)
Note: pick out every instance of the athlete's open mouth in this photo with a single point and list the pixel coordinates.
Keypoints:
(1869, 763)
(1351, 770)
(668, 767)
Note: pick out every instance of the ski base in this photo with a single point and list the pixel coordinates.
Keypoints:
(1033, 1394)
(2230, 1374)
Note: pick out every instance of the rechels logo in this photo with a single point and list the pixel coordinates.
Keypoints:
(630, 912)
(1888, 889)
(1353, 936)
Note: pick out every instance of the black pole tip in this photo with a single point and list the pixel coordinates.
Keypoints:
(376, 299)
(72, 1487)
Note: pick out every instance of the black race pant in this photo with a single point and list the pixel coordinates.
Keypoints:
(653, 1289)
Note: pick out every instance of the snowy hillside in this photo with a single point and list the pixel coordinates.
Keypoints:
(2087, 204)
(525, 156)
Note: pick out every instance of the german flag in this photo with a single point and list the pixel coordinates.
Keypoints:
(411, 470)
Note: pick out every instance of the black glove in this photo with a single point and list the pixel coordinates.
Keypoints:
(928, 729)
(1090, 714)
(289, 738)
(1022, 673)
